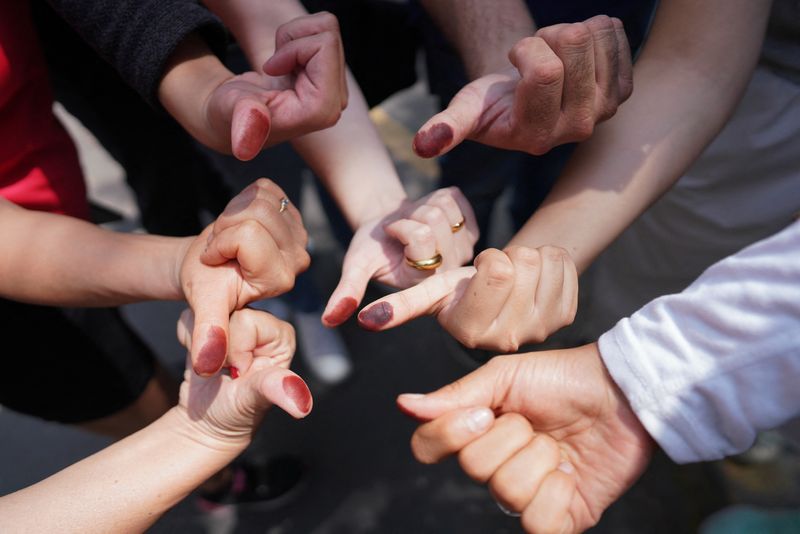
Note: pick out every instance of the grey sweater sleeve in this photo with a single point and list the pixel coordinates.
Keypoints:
(138, 36)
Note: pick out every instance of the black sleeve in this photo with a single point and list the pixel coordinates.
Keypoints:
(138, 36)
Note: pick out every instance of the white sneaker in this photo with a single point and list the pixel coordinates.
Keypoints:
(322, 348)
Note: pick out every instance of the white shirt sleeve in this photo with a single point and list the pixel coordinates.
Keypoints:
(707, 368)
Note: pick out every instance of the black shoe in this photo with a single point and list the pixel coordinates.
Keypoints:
(268, 485)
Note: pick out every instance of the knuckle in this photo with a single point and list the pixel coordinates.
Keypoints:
(549, 71)
(303, 260)
(422, 234)
(283, 280)
(516, 424)
(608, 109)
(264, 183)
(472, 463)
(498, 273)
(625, 88)
(545, 446)
(553, 254)
(509, 343)
(582, 127)
(525, 256)
(468, 339)
(249, 230)
(536, 333)
(600, 23)
(329, 20)
(523, 45)
(575, 35)
(420, 450)
(505, 487)
(541, 143)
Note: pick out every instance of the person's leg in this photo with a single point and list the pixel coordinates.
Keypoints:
(55, 371)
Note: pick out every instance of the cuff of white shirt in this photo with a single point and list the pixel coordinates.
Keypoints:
(666, 416)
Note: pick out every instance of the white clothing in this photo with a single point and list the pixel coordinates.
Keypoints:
(743, 188)
(707, 368)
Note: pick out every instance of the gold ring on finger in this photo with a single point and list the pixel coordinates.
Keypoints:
(284, 205)
(457, 226)
(426, 265)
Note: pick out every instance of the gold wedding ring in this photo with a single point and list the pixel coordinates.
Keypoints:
(426, 265)
(457, 226)
(284, 205)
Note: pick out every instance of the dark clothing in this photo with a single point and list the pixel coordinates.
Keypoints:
(138, 36)
(174, 181)
(59, 371)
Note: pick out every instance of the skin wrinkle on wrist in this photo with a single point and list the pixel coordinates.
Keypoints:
(180, 423)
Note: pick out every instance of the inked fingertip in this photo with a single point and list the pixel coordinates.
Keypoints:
(211, 356)
(433, 141)
(297, 390)
(341, 312)
(251, 134)
(376, 317)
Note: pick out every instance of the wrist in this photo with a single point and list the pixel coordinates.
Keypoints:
(378, 208)
(197, 434)
(620, 420)
(190, 78)
(180, 251)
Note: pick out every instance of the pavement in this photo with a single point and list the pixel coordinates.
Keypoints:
(362, 477)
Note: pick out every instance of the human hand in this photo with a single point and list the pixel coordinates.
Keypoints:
(303, 89)
(512, 297)
(227, 409)
(549, 432)
(417, 231)
(252, 251)
(566, 78)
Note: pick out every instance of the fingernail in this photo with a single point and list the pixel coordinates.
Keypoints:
(212, 355)
(433, 140)
(375, 317)
(339, 314)
(298, 391)
(566, 467)
(412, 396)
(479, 420)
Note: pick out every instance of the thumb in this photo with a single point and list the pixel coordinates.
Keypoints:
(267, 384)
(250, 127)
(344, 300)
(447, 129)
(428, 297)
(480, 388)
(209, 346)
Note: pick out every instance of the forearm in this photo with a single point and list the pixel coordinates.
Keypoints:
(353, 163)
(482, 32)
(58, 260)
(691, 74)
(123, 488)
(191, 75)
(254, 23)
(706, 369)
(350, 158)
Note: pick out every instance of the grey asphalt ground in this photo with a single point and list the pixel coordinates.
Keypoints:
(362, 477)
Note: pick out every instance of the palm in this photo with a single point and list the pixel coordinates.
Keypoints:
(602, 438)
